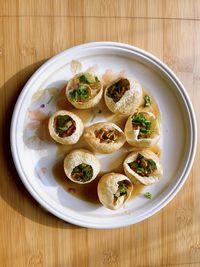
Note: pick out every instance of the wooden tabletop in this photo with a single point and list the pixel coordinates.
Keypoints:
(31, 31)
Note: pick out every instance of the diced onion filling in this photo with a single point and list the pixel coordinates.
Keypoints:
(106, 135)
(118, 89)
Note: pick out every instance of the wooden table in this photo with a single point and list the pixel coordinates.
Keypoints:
(31, 31)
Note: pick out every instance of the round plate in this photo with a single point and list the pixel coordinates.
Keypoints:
(34, 158)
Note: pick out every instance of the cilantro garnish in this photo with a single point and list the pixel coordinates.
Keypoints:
(83, 172)
(79, 94)
(62, 123)
(147, 101)
(143, 166)
(148, 195)
(84, 79)
(122, 189)
(140, 121)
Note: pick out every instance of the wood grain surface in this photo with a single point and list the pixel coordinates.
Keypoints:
(31, 31)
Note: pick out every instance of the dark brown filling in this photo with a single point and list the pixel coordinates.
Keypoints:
(106, 135)
(118, 89)
(64, 125)
(143, 166)
(82, 172)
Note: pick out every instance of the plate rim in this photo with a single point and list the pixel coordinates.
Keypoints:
(179, 86)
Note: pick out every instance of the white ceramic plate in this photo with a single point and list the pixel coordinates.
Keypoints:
(34, 158)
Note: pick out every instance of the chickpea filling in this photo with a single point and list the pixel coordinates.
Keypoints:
(106, 135)
(144, 125)
(118, 89)
(64, 125)
(143, 166)
(82, 173)
(84, 87)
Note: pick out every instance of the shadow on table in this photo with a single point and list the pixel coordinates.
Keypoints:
(11, 188)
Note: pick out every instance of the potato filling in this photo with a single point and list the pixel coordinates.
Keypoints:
(143, 166)
(84, 87)
(64, 125)
(118, 89)
(106, 135)
(144, 125)
(82, 173)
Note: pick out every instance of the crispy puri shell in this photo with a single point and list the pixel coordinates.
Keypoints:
(136, 178)
(105, 148)
(87, 104)
(69, 140)
(78, 156)
(129, 102)
(132, 135)
(108, 186)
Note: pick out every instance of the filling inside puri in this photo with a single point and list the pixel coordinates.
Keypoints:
(106, 135)
(122, 190)
(82, 173)
(143, 166)
(84, 87)
(118, 89)
(64, 125)
(139, 121)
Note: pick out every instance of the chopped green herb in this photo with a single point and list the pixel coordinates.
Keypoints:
(118, 89)
(84, 79)
(139, 121)
(62, 125)
(148, 195)
(143, 166)
(151, 166)
(122, 189)
(80, 94)
(147, 101)
(83, 172)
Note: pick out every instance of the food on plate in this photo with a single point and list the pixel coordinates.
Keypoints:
(104, 137)
(142, 129)
(84, 90)
(65, 127)
(148, 195)
(123, 96)
(147, 101)
(143, 166)
(81, 166)
(114, 189)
